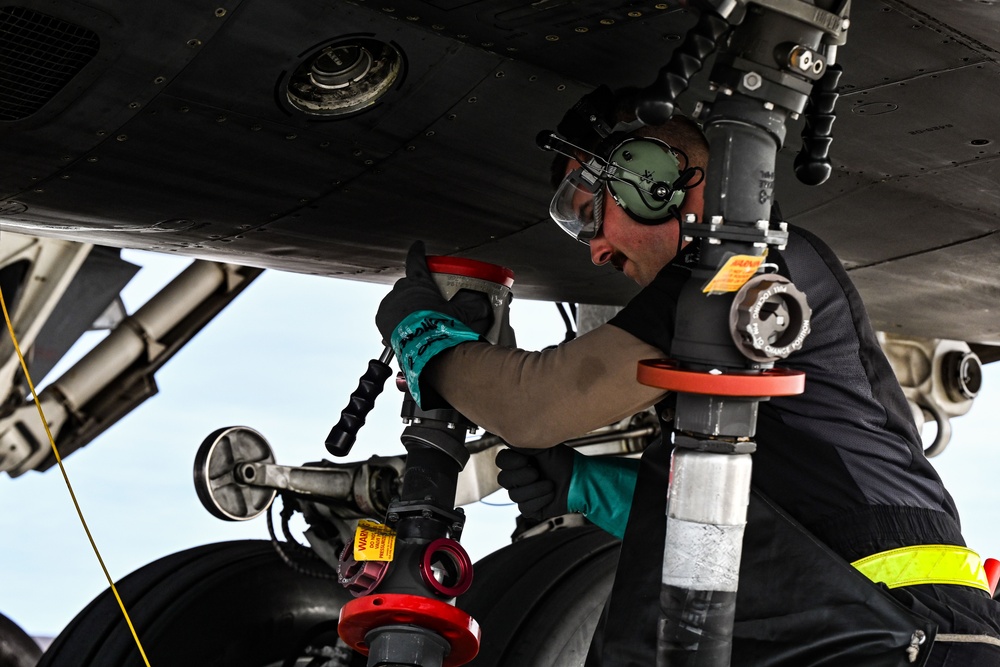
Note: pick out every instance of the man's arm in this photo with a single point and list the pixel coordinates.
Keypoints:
(539, 399)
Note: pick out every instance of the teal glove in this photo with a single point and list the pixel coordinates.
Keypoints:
(601, 489)
(419, 322)
(551, 482)
(422, 335)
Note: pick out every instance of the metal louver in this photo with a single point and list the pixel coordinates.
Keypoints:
(39, 54)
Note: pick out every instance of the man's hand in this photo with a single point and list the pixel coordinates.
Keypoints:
(538, 481)
(417, 291)
(558, 480)
(420, 323)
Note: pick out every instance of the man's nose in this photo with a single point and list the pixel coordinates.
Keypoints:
(600, 250)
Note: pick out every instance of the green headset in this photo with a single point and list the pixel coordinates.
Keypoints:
(646, 178)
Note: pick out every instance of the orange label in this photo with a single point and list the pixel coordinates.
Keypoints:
(734, 273)
(373, 541)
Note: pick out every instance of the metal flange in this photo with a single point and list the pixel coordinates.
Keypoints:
(363, 615)
(667, 374)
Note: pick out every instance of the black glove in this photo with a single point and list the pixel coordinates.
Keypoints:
(537, 482)
(417, 291)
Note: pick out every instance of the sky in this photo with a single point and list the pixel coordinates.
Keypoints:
(283, 359)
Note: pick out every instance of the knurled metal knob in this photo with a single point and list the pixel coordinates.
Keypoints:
(769, 318)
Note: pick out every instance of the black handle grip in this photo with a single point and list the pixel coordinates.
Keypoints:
(812, 164)
(656, 103)
(352, 418)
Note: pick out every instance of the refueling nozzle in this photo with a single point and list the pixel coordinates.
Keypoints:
(451, 274)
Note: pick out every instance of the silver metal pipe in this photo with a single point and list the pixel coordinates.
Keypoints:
(138, 333)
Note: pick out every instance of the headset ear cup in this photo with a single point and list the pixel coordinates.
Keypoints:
(635, 169)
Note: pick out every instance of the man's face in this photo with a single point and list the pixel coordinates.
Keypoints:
(639, 251)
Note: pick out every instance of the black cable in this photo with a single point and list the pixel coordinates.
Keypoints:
(570, 324)
(301, 550)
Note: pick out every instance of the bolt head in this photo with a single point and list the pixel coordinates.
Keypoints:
(752, 81)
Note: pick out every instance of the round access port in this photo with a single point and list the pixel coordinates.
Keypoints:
(446, 568)
(344, 77)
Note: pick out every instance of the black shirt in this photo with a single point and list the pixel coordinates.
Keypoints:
(844, 458)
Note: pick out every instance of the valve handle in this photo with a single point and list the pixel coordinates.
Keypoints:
(352, 418)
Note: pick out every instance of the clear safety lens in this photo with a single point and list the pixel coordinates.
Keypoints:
(578, 203)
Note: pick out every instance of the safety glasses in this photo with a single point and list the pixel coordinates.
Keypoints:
(578, 203)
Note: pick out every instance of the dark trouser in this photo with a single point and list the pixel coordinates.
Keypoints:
(799, 604)
(966, 635)
(954, 654)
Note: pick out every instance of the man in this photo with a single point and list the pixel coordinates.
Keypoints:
(839, 473)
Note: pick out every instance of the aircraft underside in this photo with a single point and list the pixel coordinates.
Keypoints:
(323, 137)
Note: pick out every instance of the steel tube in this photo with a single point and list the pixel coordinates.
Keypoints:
(131, 338)
(706, 517)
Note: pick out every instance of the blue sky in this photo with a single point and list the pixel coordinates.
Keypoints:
(283, 359)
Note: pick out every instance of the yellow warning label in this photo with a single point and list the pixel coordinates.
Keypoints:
(734, 273)
(373, 541)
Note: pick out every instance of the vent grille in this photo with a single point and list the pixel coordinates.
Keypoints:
(39, 55)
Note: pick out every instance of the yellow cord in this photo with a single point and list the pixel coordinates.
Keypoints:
(62, 469)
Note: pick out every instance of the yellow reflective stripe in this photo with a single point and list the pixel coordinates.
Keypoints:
(925, 564)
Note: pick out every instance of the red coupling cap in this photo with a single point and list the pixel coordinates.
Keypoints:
(359, 577)
(471, 268)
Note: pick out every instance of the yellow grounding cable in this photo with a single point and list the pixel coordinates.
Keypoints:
(62, 469)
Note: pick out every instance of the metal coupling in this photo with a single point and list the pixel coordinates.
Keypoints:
(446, 568)
(806, 61)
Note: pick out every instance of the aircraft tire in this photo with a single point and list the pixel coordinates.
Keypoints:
(17, 649)
(231, 603)
(538, 601)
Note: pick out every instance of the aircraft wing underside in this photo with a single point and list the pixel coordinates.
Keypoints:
(169, 126)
